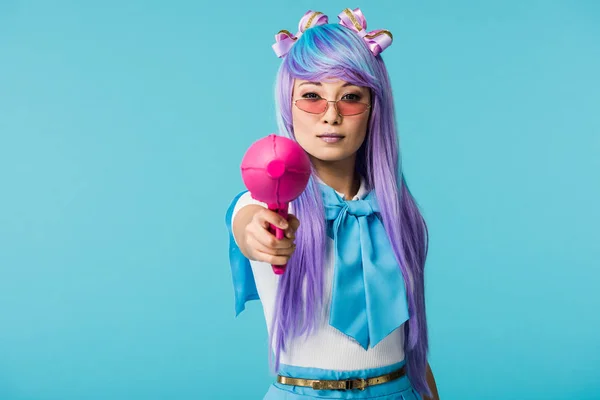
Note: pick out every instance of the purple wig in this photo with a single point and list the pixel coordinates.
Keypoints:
(323, 52)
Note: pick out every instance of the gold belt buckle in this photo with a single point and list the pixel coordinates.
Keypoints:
(348, 384)
(359, 384)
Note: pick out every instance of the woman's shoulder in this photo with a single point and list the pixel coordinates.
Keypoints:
(246, 199)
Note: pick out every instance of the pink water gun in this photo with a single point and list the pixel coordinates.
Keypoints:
(275, 170)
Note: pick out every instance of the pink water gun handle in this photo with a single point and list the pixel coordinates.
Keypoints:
(279, 233)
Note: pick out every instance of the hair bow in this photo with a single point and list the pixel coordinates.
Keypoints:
(284, 39)
(377, 40)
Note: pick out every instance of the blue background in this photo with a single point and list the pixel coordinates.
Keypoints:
(122, 126)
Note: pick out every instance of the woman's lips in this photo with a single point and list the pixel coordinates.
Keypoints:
(330, 138)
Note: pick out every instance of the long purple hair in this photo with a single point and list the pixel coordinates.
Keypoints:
(323, 52)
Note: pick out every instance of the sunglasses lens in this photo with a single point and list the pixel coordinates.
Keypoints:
(318, 106)
(313, 106)
(349, 107)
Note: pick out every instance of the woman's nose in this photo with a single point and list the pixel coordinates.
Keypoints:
(331, 115)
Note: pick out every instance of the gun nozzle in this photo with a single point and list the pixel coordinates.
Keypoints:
(276, 169)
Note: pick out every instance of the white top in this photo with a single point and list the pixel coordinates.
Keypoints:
(326, 348)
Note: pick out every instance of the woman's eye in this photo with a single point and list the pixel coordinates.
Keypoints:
(351, 97)
(310, 95)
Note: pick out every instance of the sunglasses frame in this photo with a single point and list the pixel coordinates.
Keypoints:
(335, 105)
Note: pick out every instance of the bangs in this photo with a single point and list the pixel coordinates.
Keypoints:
(331, 51)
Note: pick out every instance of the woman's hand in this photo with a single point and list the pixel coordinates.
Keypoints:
(261, 245)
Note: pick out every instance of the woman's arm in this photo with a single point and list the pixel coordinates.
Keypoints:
(431, 384)
(241, 220)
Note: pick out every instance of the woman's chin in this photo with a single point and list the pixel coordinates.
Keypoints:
(331, 155)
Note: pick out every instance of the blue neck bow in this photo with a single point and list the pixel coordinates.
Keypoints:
(368, 297)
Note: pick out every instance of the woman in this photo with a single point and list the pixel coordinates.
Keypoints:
(347, 318)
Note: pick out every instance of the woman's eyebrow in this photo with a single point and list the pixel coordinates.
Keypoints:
(310, 83)
(319, 84)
